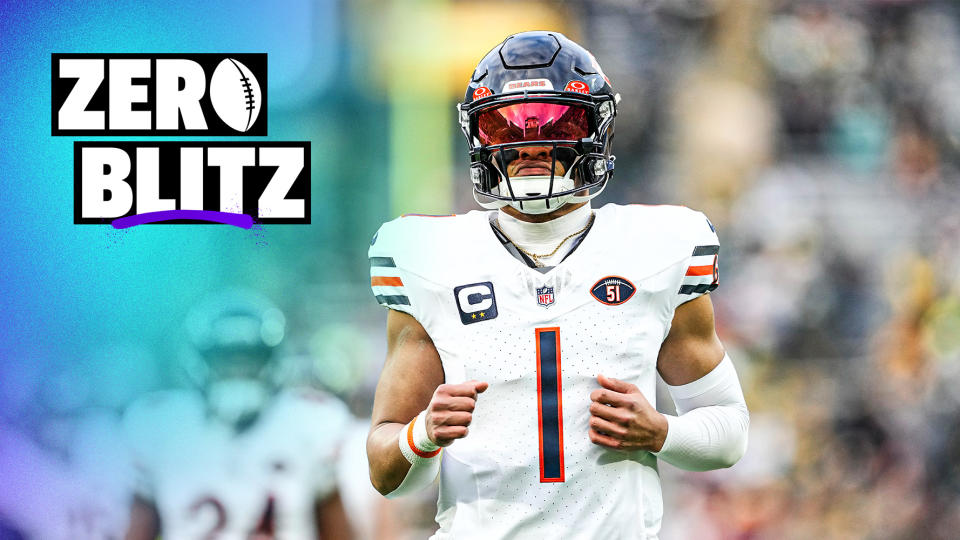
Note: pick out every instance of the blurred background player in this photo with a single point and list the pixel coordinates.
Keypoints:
(237, 457)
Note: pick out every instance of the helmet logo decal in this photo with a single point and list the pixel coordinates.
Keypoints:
(545, 296)
(613, 290)
(482, 92)
(528, 84)
(579, 87)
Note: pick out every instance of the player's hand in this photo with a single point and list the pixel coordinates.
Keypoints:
(451, 411)
(622, 419)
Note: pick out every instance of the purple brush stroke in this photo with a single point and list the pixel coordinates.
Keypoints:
(243, 221)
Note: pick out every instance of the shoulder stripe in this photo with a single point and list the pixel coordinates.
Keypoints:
(385, 281)
(706, 250)
(398, 299)
(383, 261)
(705, 270)
(702, 288)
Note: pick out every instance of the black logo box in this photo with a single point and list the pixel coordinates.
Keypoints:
(255, 178)
(60, 89)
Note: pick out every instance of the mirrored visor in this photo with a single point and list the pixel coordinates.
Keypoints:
(532, 122)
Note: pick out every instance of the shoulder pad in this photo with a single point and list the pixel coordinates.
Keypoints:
(413, 247)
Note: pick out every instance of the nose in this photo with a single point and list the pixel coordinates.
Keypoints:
(535, 153)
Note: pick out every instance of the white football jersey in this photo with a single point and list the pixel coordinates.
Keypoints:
(528, 469)
(208, 481)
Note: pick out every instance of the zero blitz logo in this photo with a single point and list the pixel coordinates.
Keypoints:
(220, 95)
(134, 182)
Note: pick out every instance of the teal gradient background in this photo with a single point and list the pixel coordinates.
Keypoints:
(93, 317)
(66, 287)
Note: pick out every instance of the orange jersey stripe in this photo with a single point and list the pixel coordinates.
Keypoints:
(413, 447)
(385, 280)
(706, 270)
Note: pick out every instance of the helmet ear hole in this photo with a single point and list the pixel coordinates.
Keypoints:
(598, 167)
(482, 177)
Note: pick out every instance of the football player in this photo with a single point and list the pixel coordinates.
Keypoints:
(524, 342)
(240, 458)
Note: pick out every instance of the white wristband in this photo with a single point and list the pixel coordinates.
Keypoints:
(415, 445)
(423, 455)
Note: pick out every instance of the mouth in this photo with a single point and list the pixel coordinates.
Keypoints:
(536, 169)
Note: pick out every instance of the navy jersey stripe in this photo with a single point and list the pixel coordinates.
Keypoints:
(701, 288)
(398, 299)
(706, 250)
(549, 406)
(383, 261)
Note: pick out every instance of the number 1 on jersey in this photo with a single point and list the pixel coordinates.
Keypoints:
(549, 405)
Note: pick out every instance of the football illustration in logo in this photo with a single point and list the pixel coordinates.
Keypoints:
(613, 290)
(235, 94)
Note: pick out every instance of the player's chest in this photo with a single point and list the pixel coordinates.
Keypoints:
(505, 324)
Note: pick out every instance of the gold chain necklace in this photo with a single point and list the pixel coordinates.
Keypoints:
(536, 258)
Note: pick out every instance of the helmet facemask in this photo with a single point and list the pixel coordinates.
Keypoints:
(234, 337)
(539, 152)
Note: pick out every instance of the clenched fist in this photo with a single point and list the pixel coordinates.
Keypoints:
(451, 411)
(622, 419)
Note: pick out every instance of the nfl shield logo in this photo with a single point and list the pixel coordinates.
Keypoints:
(545, 296)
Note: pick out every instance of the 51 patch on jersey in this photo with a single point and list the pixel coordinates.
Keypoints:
(613, 290)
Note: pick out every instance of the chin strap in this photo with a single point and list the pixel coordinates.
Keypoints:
(540, 206)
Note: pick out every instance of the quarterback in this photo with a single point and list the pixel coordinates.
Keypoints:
(524, 342)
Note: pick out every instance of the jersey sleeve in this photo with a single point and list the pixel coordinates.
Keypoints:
(700, 271)
(389, 280)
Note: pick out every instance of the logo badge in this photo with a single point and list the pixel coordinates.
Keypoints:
(129, 183)
(545, 296)
(613, 290)
(482, 92)
(579, 87)
(476, 302)
(527, 84)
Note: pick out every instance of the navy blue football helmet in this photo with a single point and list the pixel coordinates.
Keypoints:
(538, 116)
(235, 335)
